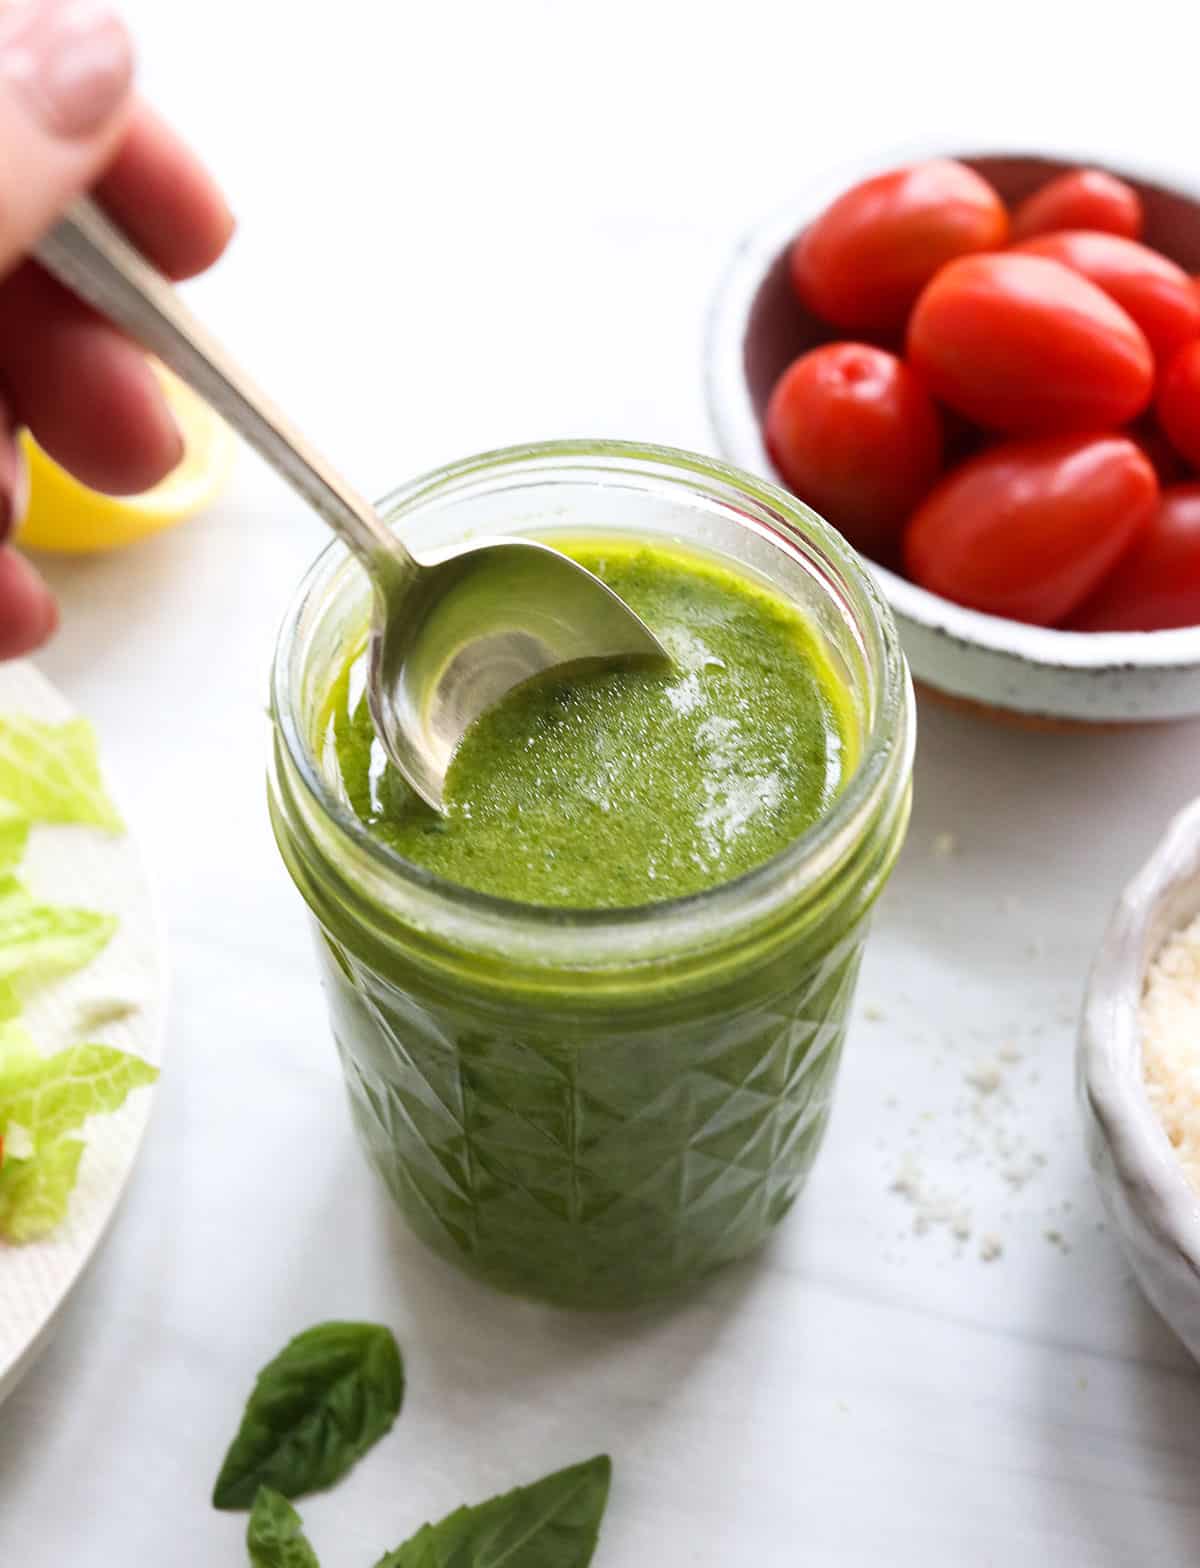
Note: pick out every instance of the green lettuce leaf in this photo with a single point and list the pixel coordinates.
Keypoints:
(14, 834)
(18, 1054)
(51, 772)
(13, 892)
(53, 1095)
(34, 1193)
(48, 773)
(552, 1524)
(40, 940)
(47, 1098)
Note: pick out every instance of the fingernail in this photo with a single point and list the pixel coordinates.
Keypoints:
(14, 478)
(180, 438)
(69, 60)
(14, 499)
(18, 497)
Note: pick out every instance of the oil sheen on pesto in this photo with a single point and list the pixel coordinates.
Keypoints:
(626, 788)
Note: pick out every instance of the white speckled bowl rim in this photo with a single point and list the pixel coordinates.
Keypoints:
(1153, 1206)
(1093, 677)
(82, 866)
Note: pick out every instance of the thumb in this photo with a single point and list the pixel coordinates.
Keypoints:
(65, 73)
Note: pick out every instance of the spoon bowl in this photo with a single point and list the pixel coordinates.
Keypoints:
(449, 636)
(471, 624)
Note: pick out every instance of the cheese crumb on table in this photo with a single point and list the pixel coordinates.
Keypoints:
(931, 1206)
(969, 1159)
(986, 1078)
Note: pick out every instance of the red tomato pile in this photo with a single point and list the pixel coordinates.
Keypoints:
(1020, 431)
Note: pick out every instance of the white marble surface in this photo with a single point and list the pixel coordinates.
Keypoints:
(469, 224)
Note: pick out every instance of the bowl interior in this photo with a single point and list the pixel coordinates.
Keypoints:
(779, 327)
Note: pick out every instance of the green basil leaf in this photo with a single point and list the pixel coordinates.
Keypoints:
(328, 1395)
(274, 1537)
(552, 1524)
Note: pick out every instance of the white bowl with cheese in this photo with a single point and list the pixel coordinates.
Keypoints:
(1150, 1199)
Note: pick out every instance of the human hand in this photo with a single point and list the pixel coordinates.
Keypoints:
(69, 121)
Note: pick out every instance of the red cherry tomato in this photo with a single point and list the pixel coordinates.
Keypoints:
(856, 435)
(1030, 528)
(1025, 345)
(1156, 293)
(962, 439)
(867, 257)
(1082, 199)
(1178, 403)
(1164, 459)
(1157, 585)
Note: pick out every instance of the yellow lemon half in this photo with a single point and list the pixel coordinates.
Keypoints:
(67, 517)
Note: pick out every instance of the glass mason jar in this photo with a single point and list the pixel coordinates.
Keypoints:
(595, 1107)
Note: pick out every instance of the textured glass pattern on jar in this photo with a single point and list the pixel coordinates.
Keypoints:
(594, 1167)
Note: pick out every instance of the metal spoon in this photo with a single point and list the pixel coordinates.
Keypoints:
(449, 634)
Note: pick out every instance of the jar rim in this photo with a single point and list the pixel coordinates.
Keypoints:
(887, 743)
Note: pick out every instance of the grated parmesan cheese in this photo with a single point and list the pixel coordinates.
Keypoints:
(1170, 1031)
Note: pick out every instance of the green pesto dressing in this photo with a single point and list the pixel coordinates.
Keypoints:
(620, 789)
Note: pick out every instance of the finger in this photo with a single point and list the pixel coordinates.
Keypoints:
(28, 613)
(162, 196)
(87, 394)
(65, 72)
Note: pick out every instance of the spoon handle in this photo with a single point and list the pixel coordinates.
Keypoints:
(93, 259)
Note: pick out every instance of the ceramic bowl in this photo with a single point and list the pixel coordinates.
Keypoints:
(757, 327)
(1153, 1207)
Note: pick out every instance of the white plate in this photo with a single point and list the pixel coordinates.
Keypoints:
(84, 866)
(755, 327)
